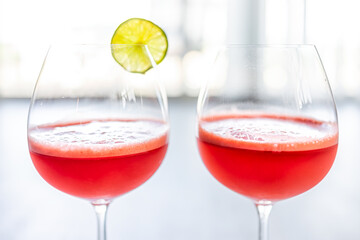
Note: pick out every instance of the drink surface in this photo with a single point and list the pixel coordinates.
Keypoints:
(98, 159)
(267, 157)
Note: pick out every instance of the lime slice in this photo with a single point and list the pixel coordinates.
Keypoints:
(134, 58)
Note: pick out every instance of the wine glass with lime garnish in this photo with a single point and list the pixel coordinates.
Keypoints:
(98, 120)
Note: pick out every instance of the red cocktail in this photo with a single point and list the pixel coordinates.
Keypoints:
(267, 157)
(98, 159)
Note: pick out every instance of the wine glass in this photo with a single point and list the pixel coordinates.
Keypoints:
(267, 123)
(96, 130)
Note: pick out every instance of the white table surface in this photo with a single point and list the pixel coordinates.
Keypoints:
(182, 200)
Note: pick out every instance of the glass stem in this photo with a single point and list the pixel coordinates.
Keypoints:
(100, 208)
(264, 209)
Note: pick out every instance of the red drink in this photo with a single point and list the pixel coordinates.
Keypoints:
(267, 157)
(98, 159)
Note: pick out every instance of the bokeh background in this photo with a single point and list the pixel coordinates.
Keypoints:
(182, 201)
(195, 29)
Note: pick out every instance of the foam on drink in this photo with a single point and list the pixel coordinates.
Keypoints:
(98, 138)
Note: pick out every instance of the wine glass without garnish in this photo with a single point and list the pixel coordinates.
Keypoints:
(267, 123)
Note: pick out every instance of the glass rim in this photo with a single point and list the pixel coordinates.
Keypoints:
(94, 45)
(240, 45)
(61, 45)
